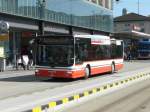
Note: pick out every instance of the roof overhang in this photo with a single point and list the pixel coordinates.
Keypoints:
(131, 35)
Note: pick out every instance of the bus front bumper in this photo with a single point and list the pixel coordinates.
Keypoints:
(59, 73)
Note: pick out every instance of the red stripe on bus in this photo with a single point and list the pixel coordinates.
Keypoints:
(60, 74)
(104, 69)
(118, 66)
(100, 61)
(75, 74)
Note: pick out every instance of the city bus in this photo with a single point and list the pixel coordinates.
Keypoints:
(75, 56)
(144, 49)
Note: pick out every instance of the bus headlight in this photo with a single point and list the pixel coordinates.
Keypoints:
(69, 72)
(36, 71)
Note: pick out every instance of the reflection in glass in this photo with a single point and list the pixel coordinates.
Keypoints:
(71, 12)
(56, 55)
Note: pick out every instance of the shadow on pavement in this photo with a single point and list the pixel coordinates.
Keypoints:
(26, 78)
(32, 78)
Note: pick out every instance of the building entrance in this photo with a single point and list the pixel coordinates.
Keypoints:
(18, 40)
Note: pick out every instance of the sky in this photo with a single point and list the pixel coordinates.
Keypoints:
(132, 6)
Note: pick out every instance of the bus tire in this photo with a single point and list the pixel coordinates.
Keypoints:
(112, 68)
(87, 72)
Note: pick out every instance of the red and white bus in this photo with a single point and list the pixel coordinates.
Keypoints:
(65, 56)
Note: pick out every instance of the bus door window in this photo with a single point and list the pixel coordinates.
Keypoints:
(119, 50)
(42, 53)
(84, 52)
(78, 53)
(98, 53)
(82, 49)
(113, 51)
(70, 53)
(106, 49)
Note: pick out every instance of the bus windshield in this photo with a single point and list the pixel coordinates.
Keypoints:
(56, 55)
(55, 52)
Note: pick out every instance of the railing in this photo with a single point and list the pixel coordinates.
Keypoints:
(97, 18)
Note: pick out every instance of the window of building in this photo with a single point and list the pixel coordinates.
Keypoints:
(127, 25)
(57, 13)
(145, 39)
(141, 24)
(100, 2)
(94, 1)
(142, 30)
(106, 3)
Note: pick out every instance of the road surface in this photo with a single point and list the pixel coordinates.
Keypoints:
(15, 86)
(135, 98)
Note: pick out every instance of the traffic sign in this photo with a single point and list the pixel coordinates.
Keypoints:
(4, 27)
(4, 37)
(1, 52)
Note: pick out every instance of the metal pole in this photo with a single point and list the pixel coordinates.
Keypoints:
(138, 7)
(35, 49)
(42, 5)
(14, 50)
(71, 20)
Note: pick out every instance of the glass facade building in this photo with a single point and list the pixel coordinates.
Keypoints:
(59, 16)
(105, 3)
(78, 13)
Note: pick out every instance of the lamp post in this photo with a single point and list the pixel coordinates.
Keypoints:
(41, 12)
(138, 7)
(71, 19)
(42, 5)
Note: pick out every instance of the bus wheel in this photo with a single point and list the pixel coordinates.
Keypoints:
(112, 68)
(87, 72)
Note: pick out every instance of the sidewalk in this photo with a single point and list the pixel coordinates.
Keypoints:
(14, 73)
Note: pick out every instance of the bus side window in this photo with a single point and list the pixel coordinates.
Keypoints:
(113, 51)
(79, 54)
(84, 53)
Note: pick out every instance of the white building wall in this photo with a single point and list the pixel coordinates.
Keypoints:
(147, 27)
(128, 26)
(105, 3)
